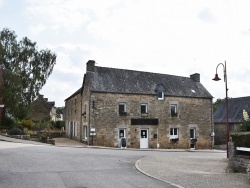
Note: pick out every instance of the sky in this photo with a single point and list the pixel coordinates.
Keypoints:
(176, 37)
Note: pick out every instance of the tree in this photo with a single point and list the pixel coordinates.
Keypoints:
(25, 71)
(216, 104)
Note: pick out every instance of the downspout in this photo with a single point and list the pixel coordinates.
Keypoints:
(89, 117)
(81, 120)
(65, 118)
(212, 126)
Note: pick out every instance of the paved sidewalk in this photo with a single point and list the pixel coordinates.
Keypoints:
(192, 171)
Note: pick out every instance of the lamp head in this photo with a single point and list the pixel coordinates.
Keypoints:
(216, 78)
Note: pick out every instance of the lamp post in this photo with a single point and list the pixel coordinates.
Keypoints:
(216, 78)
(1, 105)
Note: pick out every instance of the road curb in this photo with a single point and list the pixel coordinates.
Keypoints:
(149, 175)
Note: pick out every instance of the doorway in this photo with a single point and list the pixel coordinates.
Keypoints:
(144, 138)
(121, 134)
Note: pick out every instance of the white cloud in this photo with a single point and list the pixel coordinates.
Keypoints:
(179, 38)
(1, 3)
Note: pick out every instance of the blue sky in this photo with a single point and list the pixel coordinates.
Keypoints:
(163, 36)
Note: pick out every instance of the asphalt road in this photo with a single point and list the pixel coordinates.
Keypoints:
(31, 166)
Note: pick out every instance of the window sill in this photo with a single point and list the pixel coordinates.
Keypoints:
(174, 138)
(123, 114)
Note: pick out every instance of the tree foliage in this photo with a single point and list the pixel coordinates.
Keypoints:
(25, 71)
(216, 104)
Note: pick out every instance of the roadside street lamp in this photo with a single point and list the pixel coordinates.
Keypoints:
(1, 105)
(216, 78)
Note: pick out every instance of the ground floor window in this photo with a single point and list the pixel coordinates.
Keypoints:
(85, 132)
(174, 133)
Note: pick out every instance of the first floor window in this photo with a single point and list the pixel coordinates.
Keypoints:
(173, 109)
(174, 133)
(122, 109)
(192, 133)
(144, 108)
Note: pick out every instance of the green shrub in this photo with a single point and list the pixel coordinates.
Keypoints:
(245, 126)
(27, 123)
(241, 139)
(30, 132)
(59, 124)
(15, 131)
(7, 122)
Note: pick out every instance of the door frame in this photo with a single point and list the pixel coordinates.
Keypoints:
(144, 141)
(124, 136)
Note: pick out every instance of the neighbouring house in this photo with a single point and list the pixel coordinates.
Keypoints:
(235, 117)
(43, 110)
(73, 116)
(148, 110)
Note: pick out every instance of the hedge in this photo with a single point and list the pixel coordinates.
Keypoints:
(241, 139)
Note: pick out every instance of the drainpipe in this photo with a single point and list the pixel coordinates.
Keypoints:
(212, 126)
(89, 117)
(81, 119)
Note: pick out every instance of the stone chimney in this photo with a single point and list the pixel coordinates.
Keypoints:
(195, 77)
(91, 66)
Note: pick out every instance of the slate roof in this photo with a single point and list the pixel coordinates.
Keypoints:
(129, 81)
(74, 94)
(235, 110)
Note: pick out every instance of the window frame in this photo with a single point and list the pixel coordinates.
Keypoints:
(173, 114)
(85, 132)
(162, 95)
(146, 108)
(124, 112)
(174, 134)
(194, 133)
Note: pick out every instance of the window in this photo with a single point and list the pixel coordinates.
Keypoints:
(173, 109)
(174, 133)
(122, 109)
(192, 133)
(85, 132)
(74, 129)
(121, 133)
(144, 108)
(160, 95)
(75, 105)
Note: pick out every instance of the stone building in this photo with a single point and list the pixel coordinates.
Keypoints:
(235, 117)
(43, 110)
(149, 110)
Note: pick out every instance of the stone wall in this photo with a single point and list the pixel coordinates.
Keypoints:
(237, 163)
(105, 118)
(73, 117)
(220, 130)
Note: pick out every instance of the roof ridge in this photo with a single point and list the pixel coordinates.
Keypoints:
(238, 97)
(143, 72)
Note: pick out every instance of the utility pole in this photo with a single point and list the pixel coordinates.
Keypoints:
(1, 102)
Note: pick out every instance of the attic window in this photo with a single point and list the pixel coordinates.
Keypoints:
(160, 95)
(159, 90)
